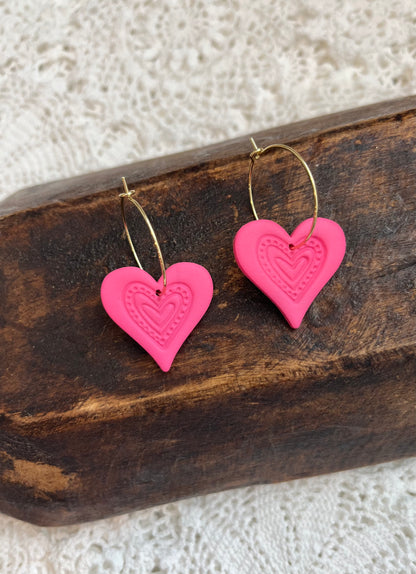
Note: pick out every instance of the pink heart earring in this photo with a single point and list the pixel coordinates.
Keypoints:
(159, 315)
(290, 269)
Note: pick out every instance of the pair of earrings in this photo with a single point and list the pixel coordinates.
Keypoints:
(290, 269)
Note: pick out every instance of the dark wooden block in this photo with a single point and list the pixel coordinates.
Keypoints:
(90, 426)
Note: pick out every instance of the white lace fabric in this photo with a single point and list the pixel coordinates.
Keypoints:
(86, 85)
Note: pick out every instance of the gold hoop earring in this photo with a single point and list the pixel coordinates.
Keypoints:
(161, 314)
(128, 194)
(290, 269)
(255, 155)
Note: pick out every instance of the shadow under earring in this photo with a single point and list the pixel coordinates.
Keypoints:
(290, 269)
(159, 315)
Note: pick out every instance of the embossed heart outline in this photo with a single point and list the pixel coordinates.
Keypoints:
(292, 293)
(158, 320)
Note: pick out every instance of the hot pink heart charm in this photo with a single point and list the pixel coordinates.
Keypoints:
(160, 323)
(291, 278)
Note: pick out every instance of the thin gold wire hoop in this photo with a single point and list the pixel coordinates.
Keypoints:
(255, 155)
(128, 193)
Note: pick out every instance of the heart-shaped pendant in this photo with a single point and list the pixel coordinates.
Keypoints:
(158, 319)
(291, 278)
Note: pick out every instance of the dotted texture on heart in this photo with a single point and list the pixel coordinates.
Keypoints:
(291, 278)
(159, 320)
(158, 315)
(292, 270)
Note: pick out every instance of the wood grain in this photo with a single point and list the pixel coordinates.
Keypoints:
(90, 426)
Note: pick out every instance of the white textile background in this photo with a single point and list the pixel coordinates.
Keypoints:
(86, 85)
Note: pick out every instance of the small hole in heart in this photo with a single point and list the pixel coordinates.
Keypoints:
(291, 246)
(158, 292)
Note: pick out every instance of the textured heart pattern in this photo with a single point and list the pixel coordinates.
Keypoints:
(158, 316)
(158, 320)
(291, 278)
(291, 270)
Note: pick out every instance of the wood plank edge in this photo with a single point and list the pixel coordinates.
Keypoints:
(108, 179)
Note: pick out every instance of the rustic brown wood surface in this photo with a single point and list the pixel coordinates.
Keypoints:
(90, 426)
